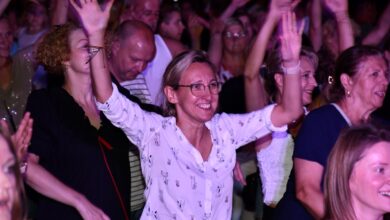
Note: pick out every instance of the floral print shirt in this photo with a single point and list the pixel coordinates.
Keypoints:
(179, 183)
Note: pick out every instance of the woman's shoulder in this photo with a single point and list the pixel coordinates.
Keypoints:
(323, 113)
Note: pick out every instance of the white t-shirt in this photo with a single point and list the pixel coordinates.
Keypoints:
(155, 70)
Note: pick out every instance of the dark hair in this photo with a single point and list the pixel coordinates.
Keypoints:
(349, 148)
(349, 63)
(174, 72)
(166, 12)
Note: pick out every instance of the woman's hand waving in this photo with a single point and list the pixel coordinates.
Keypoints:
(290, 40)
(94, 17)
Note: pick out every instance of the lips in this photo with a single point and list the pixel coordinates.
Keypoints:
(385, 193)
(4, 201)
(205, 106)
(380, 93)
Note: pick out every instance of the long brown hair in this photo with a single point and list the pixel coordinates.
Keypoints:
(348, 150)
(19, 206)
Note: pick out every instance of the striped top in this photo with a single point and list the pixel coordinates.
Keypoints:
(137, 87)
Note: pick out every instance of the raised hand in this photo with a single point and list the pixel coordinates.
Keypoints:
(290, 40)
(239, 3)
(337, 6)
(21, 139)
(93, 17)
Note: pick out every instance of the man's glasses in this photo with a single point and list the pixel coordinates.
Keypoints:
(230, 35)
(198, 89)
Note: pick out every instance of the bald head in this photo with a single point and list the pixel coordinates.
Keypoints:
(132, 49)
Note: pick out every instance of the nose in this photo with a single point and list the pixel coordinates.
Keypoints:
(140, 66)
(206, 93)
(313, 81)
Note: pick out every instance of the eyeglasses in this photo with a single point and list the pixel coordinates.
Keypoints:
(230, 35)
(198, 89)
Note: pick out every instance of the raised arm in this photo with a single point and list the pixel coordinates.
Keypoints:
(60, 14)
(216, 46)
(344, 26)
(255, 95)
(291, 105)
(232, 7)
(94, 20)
(196, 25)
(3, 5)
(380, 31)
(315, 28)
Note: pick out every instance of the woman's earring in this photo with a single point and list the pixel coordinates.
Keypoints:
(348, 93)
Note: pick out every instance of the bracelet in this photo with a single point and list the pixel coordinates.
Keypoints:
(292, 70)
(23, 166)
(92, 51)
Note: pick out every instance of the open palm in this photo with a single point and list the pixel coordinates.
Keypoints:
(93, 17)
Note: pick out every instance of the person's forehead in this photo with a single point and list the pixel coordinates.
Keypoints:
(139, 48)
(148, 4)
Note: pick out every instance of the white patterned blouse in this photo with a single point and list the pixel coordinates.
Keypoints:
(179, 183)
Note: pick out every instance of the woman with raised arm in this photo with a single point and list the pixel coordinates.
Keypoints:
(275, 157)
(188, 156)
(74, 142)
(359, 88)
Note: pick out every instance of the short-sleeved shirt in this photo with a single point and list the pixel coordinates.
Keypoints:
(179, 183)
(314, 142)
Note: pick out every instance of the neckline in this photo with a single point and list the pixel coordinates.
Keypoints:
(342, 114)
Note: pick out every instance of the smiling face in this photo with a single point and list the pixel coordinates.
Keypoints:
(308, 82)
(8, 191)
(78, 57)
(369, 85)
(195, 109)
(370, 181)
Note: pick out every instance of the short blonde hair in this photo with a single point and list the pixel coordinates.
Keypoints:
(174, 72)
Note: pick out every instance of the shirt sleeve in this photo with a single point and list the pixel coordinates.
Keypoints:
(312, 139)
(240, 129)
(127, 115)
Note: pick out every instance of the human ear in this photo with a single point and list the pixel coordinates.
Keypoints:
(346, 81)
(279, 81)
(115, 47)
(171, 95)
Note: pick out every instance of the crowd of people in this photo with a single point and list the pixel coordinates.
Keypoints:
(237, 109)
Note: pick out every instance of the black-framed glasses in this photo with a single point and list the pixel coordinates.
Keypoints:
(198, 89)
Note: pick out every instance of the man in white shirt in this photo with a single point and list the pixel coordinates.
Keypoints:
(132, 49)
(148, 11)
